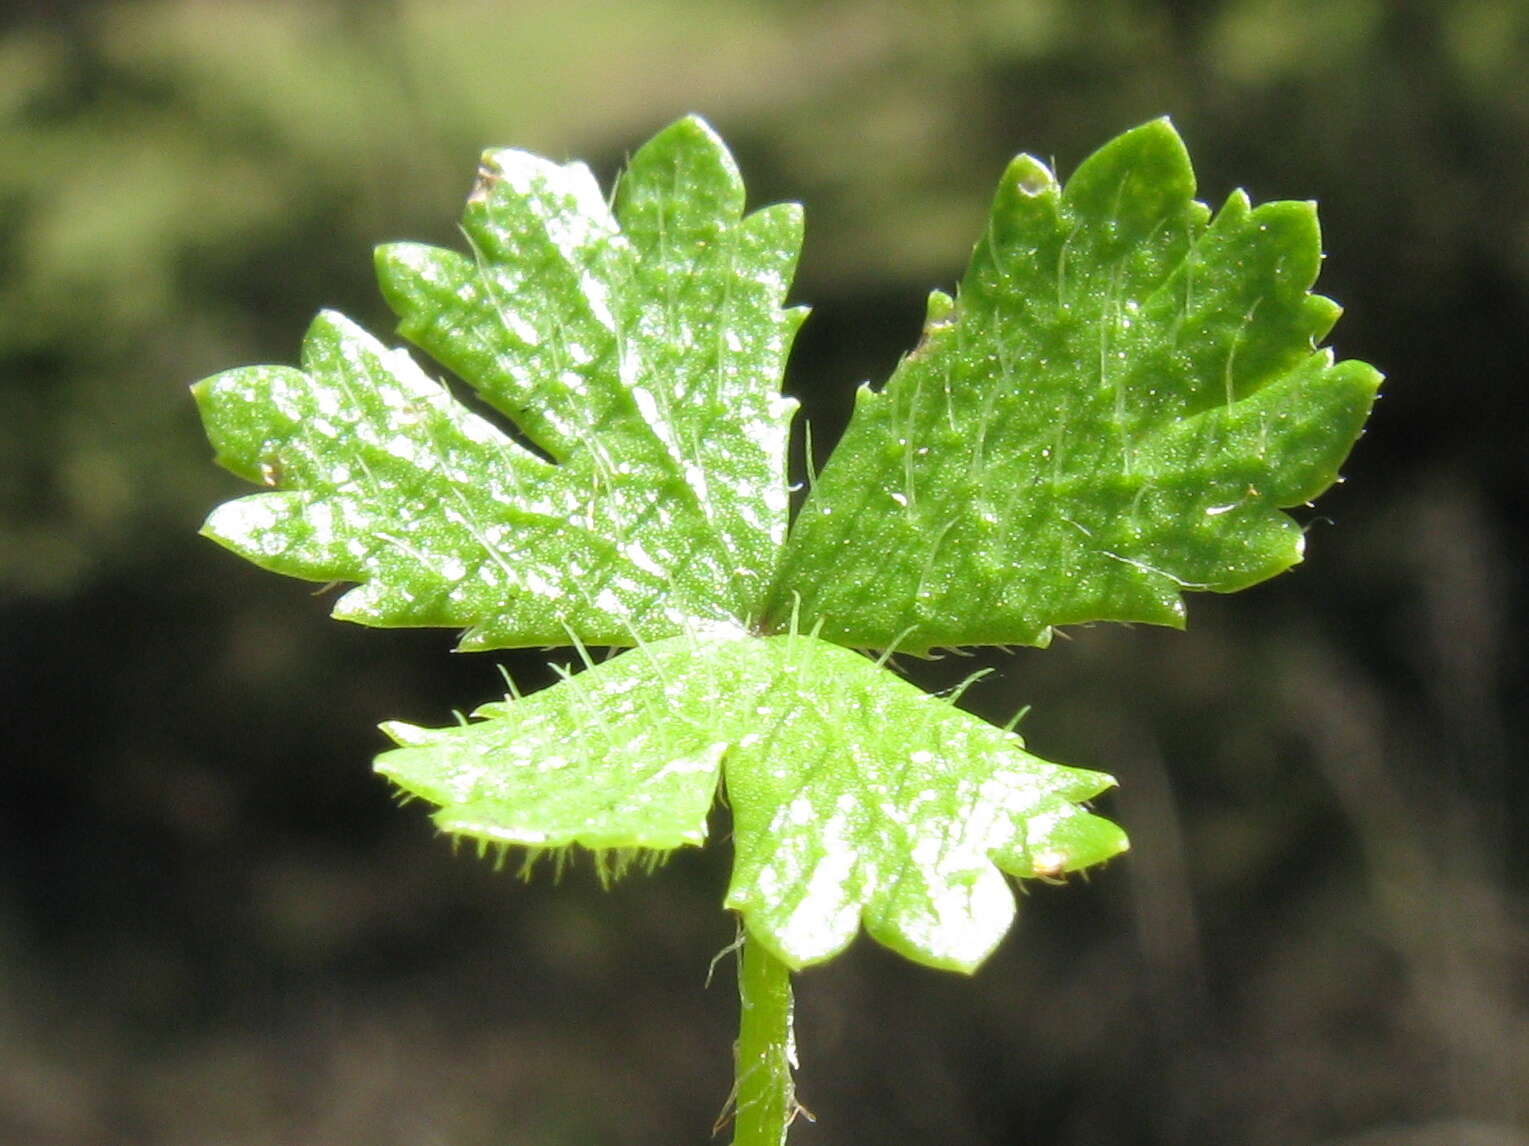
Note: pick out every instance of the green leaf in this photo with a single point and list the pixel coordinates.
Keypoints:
(856, 796)
(1114, 409)
(639, 348)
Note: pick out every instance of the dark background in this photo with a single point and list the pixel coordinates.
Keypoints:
(215, 927)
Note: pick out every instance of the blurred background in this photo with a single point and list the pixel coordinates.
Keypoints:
(215, 927)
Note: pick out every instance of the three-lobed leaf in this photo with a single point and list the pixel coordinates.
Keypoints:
(1114, 408)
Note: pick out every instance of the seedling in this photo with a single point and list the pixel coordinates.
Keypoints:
(1114, 408)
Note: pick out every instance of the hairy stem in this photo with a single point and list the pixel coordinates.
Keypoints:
(766, 1053)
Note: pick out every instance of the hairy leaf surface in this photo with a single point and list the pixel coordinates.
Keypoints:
(1115, 408)
(856, 796)
(640, 349)
(1112, 410)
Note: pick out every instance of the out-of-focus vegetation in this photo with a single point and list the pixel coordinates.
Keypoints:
(1322, 935)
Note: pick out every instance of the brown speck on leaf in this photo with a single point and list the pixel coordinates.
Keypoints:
(930, 330)
(489, 173)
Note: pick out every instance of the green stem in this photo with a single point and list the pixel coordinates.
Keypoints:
(766, 1054)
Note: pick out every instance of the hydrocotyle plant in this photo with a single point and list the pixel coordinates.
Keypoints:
(1114, 407)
